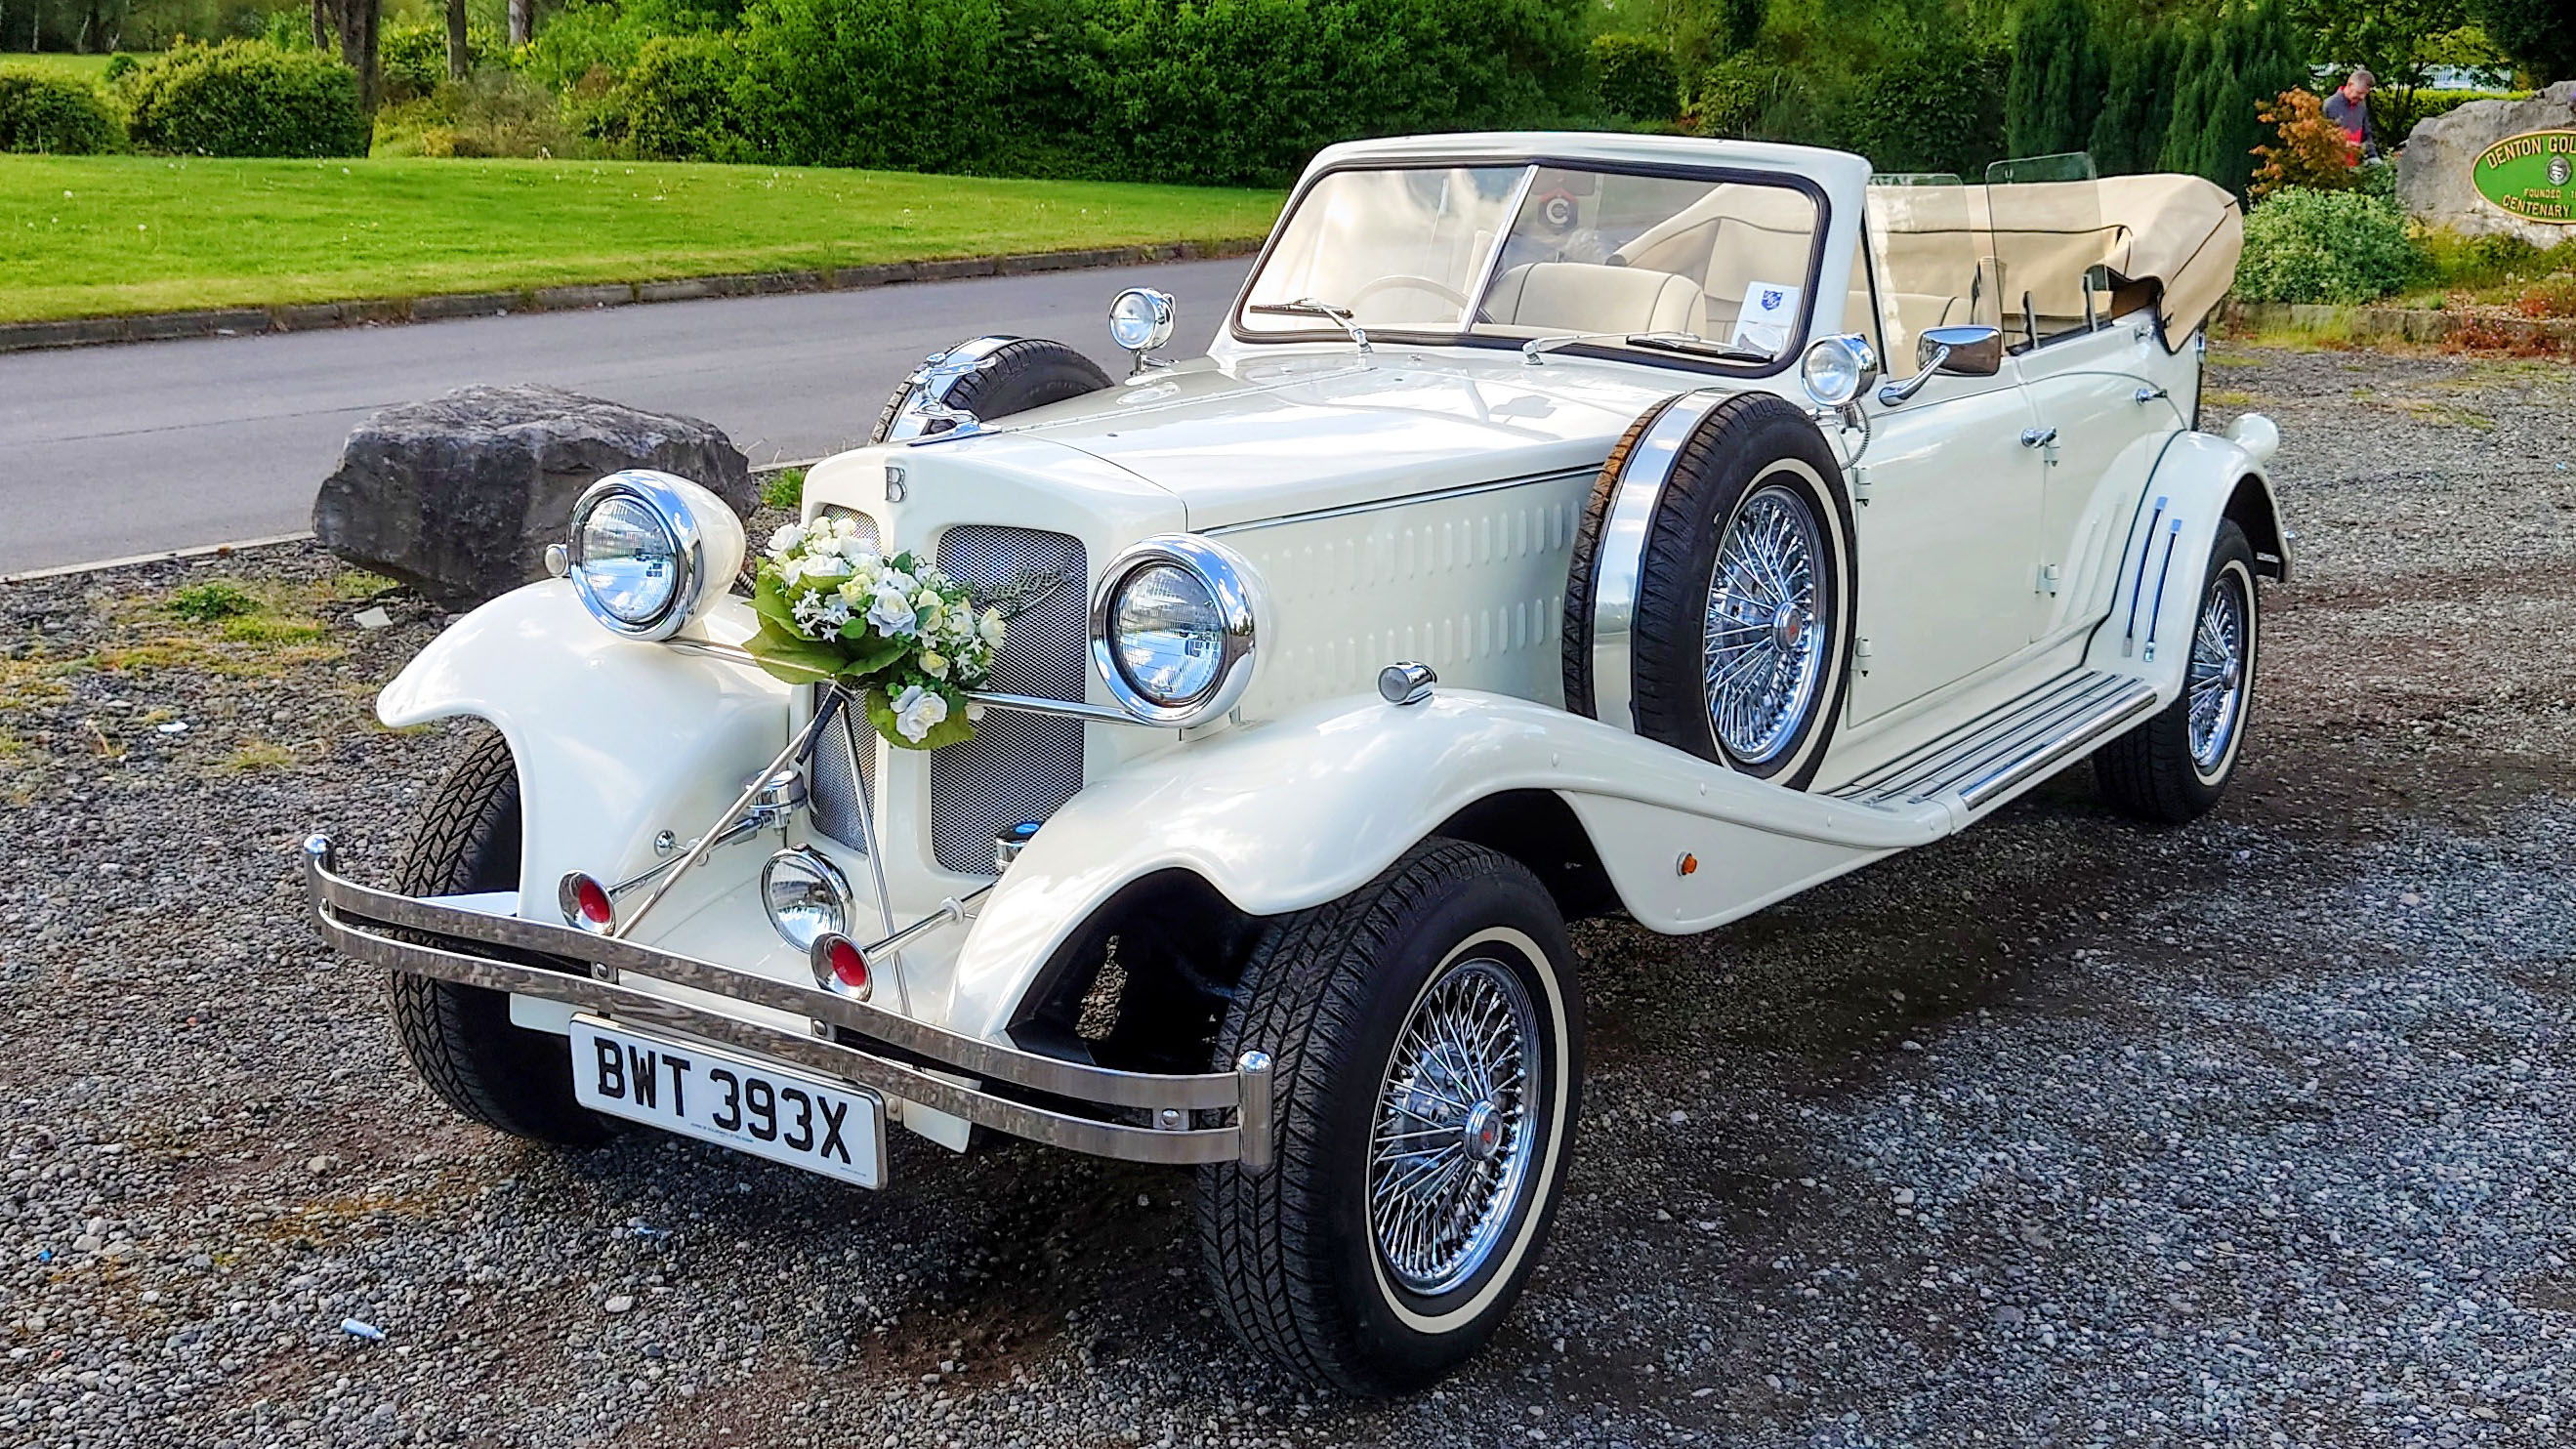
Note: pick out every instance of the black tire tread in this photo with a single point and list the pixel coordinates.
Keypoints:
(1072, 375)
(2147, 772)
(1305, 990)
(1577, 623)
(460, 1038)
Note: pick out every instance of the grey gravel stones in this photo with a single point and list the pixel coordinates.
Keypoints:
(460, 495)
(2261, 1131)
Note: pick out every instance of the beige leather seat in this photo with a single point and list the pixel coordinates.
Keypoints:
(1585, 297)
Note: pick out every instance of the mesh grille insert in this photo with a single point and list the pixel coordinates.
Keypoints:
(1018, 766)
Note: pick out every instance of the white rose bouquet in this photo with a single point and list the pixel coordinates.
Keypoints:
(895, 629)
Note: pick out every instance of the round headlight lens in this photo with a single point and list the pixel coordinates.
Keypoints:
(1836, 369)
(807, 897)
(1168, 634)
(1140, 319)
(627, 560)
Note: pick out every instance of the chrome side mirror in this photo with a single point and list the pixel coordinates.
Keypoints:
(1969, 351)
(1140, 320)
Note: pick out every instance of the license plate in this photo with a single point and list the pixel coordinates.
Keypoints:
(733, 1101)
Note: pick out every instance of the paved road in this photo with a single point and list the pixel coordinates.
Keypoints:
(112, 451)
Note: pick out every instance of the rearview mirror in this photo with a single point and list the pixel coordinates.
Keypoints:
(1973, 351)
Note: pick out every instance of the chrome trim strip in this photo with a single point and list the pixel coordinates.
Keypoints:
(1061, 708)
(1494, 259)
(1379, 505)
(2010, 744)
(330, 892)
(1618, 559)
(2072, 740)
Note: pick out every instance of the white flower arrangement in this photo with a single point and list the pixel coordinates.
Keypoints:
(893, 627)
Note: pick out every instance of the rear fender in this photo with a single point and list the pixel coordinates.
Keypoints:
(2201, 481)
(615, 739)
(1281, 815)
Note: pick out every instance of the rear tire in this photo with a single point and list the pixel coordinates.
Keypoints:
(1415, 1175)
(2175, 768)
(1024, 373)
(460, 1038)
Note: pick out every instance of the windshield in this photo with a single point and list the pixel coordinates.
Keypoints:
(1716, 269)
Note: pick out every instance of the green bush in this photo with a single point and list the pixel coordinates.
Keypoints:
(906, 85)
(413, 58)
(42, 110)
(489, 113)
(1730, 97)
(677, 101)
(2326, 246)
(1636, 77)
(247, 98)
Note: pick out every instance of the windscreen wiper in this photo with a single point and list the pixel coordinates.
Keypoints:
(1311, 307)
(1694, 345)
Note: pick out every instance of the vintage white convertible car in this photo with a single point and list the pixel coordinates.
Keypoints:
(1538, 539)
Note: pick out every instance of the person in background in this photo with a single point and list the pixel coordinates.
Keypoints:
(2349, 107)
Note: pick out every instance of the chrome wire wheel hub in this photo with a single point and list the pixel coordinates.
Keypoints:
(1763, 650)
(2216, 680)
(1454, 1137)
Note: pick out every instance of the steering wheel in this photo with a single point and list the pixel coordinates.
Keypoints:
(1442, 290)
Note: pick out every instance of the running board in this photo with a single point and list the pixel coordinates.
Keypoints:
(2013, 745)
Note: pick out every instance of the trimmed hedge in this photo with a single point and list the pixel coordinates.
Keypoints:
(247, 98)
(42, 110)
(1637, 77)
(2326, 246)
(1221, 92)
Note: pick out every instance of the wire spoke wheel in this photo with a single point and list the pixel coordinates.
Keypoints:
(1454, 1132)
(1763, 649)
(2216, 680)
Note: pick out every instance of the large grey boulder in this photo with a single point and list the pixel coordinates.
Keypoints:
(2433, 172)
(460, 495)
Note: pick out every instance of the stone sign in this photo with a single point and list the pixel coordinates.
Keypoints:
(2486, 168)
(2528, 175)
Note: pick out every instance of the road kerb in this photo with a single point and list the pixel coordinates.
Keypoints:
(315, 316)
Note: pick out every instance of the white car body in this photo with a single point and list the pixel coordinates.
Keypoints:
(1419, 503)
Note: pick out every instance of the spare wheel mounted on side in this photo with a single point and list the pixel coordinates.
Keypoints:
(988, 377)
(1711, 597)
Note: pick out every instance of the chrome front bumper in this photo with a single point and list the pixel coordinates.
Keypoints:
(559, 963)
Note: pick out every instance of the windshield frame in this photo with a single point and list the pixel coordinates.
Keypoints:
(1529, 163)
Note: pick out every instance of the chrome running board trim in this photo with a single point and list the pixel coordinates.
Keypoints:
(2012, 745)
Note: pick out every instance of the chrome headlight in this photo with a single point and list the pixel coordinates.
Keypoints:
(1172, 629)
(650, 551)
(1141, 319)
(806, 896)
(1837, 368)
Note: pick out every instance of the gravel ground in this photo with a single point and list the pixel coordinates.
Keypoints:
(2065, 1131)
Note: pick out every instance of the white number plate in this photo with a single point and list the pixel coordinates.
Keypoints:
(733, 1101)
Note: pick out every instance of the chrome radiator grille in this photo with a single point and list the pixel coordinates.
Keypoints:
(1018, 766)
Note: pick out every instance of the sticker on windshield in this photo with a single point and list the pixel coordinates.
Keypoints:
(1769, 311)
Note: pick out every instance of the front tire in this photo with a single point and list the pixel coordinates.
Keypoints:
(460, 1038)
(2176, 767)
(1426, 1032)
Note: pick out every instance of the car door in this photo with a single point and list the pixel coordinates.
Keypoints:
(1947, 525)
(2104, 420)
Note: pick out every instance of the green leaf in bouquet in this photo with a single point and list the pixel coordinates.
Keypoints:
(790, 656)
(867, 650)
(954, 730)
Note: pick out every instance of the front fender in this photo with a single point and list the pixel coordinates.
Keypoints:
(1285, 814)
(615, 739)
(2201, 481)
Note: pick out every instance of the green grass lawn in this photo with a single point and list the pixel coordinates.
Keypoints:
(94, 235)
(87, 67)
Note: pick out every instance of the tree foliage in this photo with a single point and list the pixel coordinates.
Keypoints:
(2308, 150)
(2059, 76)
(2538, 35)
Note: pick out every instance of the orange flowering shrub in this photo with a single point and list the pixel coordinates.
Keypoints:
(2312, 152)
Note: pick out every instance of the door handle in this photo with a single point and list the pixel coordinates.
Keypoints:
(2146, 395)
(2038, 437)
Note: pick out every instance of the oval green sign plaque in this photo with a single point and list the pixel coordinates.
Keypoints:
(2532, 175)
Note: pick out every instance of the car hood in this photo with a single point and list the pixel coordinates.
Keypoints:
(1319, 430)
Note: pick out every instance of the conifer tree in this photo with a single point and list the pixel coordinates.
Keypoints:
(2059, 73)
